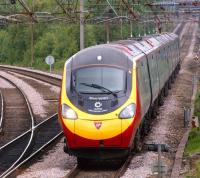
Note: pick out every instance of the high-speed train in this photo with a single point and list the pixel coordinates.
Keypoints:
(110, 92)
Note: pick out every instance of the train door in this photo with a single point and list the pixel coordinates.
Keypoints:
(144, 85)
(153, 67)
(169, 60)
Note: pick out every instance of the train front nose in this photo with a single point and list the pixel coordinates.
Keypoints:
(98, 138)
(98, 133)
(96, 94)
(112, 130)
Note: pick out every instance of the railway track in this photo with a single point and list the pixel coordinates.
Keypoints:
(34, 74)
(27, 145)
(179, 29)
(107, 170)
(9, 158)
(45, 86)
(14, 103)
(183, 36)
(42, 95)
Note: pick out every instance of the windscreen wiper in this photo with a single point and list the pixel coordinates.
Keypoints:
(99, 87)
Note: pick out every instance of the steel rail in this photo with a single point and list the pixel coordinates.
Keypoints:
(179, 28)
(2, 111)
(37, 150)
(74, 172)
(183, 38)
(26, 99)
(32, 126)
(14, 140)
(26, 132)
(34, 74)
(117, 173)
(34, 129)
(19, 137)
(123, 168)
(33, 154)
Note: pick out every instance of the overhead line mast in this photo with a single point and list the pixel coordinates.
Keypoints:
(82, 24)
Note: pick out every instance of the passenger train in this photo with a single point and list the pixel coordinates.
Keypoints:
(110, 92)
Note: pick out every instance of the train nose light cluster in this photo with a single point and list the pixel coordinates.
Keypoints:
(127, 112)
(68, 113)
(99, 58)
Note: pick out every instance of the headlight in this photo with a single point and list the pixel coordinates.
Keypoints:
(68, 113)
(127, 112)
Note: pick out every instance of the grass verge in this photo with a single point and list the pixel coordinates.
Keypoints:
(193, 145)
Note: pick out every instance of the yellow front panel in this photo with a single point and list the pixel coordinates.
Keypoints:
(108, 129)
(111, 124)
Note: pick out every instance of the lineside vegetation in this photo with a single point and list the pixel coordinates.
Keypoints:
(60, 39)
(193, 145)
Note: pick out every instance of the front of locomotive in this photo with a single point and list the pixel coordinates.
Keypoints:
(98, 103)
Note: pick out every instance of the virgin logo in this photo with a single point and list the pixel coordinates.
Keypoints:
(98, 124)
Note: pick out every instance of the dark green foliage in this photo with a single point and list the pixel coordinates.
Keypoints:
(58, 39)
(61, 41)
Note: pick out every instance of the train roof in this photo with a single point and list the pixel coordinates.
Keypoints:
(131, 47)
(148, 43)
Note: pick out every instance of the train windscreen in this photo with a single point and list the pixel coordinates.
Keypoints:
(100, 80)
